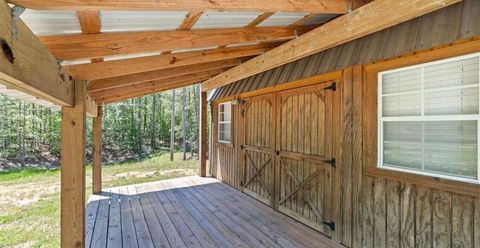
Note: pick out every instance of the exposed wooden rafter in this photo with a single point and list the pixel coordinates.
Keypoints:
(301, 21)
(151, 90)
(318, 6)
(131, 79)
(80, 46)
(129, 66)
(154, 84)
(264, 16)
(90, 24)
(190, 20)
(89, 21)
(379, 14)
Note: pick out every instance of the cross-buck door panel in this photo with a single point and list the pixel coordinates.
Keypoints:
(304, 161)
(287, 152)
(258, 148)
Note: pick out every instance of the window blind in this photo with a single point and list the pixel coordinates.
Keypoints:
(429, 118)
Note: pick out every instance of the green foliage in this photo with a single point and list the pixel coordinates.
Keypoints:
(135, 127)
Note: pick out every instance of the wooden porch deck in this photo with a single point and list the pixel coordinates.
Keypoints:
(190, 212)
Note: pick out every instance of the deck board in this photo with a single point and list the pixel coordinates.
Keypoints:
(191, 212)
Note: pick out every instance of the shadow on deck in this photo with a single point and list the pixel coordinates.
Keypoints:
(190, 212)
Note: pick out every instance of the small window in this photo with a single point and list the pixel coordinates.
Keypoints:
(225, 122)
(428, 119)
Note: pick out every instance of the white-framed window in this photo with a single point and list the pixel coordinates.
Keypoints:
(225, 122)
(428, 119)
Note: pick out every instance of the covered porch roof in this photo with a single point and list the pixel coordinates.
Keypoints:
(82, 68)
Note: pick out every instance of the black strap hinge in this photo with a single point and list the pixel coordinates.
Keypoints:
(329, 224)
(331, 162)
(332, 87)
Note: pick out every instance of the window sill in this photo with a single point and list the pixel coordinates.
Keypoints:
(225, 144)
(464, 188)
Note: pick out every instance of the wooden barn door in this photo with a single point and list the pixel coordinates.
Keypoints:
(258, 148)
(304, 149)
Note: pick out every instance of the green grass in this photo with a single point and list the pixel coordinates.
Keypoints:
(30, 207)
(26, 175)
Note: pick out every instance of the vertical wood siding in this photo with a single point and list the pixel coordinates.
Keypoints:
(372, 211)
(368, 211)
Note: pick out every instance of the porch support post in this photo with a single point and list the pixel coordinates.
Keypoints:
(97, 152)
(72, 216)
(203, 134)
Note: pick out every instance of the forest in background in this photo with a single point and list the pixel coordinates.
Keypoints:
(30, 134)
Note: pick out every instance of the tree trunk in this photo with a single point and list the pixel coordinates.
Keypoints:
(197, 117)
(184, 143)
(139, 126)
(153, 134)
(172, 127)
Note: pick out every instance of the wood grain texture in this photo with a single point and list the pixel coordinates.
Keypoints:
(203, 134)
(131, 79)
(115, 68)
(97, 152)
(318, 6)
(195, 212)
(407, 215)
(190, 20)
(462, 221)
(158, 86)
(357, 157)
(476, 221)
(347, 160)
(72, 200)
(441, 218)
(259, 19)
(80, 46)
(393, 213)
(89, 21)
(33, 70)
(380, 213)
(157, 83)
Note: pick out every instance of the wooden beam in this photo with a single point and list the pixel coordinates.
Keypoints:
(379, 14)
(304, 19)
(90, 24)
(259, 19)
(190, 20)
(72, 188)
(121, 81)
(203, 133)
(136, 65)
(161, 83)
(89, 21)
(319, 6)
(26, 65)
(80, 46)
(97, 152)
(91, 107)
(149, 91)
